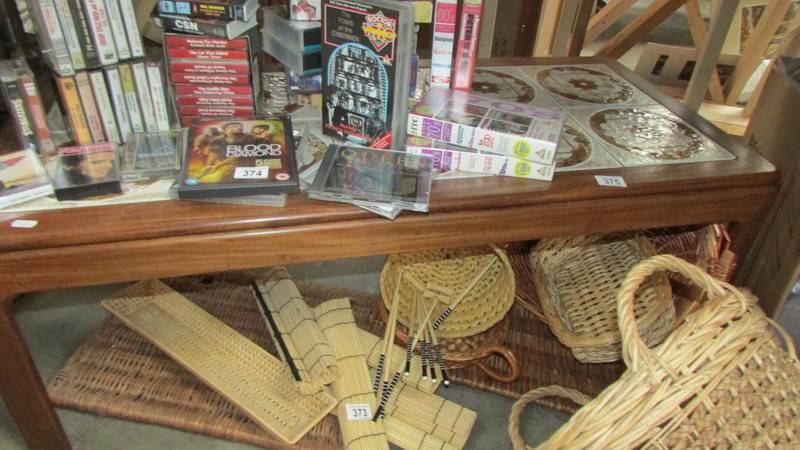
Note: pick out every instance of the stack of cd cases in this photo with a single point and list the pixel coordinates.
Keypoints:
(296, 44)
(386, 178)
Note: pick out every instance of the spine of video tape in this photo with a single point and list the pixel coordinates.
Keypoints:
(90, 107)
(230, 9)
(444, 36)
(213, 91)
(207, 54)
(16, 104)
(51, 37)
(131, 28)
(447, 160)
(72, 106)
(33, 101)
(118, 99)
(131, 99)
(156, 82)
(202, 78)
(103, 101)
(117, 27)
(182, 41)
(212, 67)
(101, 31)
(70, 34)
(206, 27)
(145, 99)
(217, 100)
(84, 33)
(467, 47)
(213, 111)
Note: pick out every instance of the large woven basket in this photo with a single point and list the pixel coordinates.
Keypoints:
(445, 274)
(720, 380)
(577, 279)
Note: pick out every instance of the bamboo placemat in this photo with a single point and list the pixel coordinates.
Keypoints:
(147, 386)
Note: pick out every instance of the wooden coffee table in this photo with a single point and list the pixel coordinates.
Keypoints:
(89, 246)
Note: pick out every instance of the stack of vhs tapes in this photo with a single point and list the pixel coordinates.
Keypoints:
(212, 76)
(84, 34)
(225, 19)
(297, 44)
(23, 101)
(106, 105)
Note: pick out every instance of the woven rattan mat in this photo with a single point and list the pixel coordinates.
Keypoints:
(117, 373)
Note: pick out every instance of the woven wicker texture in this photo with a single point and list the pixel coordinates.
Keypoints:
(720, 380)
(577, 279)
(238, 369)
(353, 385)
(307, 347)
(447, 274)
(525, 295)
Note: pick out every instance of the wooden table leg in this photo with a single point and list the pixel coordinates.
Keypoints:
(23, 389)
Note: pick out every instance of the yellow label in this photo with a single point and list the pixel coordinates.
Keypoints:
(523, 169)
(522, 149)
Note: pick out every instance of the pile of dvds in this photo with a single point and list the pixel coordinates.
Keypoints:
(211, 49)
(86, 34)
(295, 43)
(106, 105)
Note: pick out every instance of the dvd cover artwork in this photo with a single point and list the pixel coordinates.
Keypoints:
(366, 55)
(225, 158)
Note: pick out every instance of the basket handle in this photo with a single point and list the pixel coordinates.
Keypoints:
(634, 350)
(502, 352)
(519, 407)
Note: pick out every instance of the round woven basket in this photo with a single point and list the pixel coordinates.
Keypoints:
(444, 274)
(577, 279)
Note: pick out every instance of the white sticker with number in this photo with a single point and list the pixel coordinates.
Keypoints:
(358, 411)
(604, 180)
(251, 173)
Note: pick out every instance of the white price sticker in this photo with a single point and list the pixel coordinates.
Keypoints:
(604, 180)
(19, 223)
(251, 173)
(358, 411)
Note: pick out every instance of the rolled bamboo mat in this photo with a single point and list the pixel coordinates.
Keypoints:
(297, 332)
(353, 386)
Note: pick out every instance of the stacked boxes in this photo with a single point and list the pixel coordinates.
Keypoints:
(296, 44)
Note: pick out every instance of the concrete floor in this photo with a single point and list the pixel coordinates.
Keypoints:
(55, 323)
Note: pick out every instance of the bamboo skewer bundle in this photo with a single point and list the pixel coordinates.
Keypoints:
(297, 336)
(335, 319)
(373, 345)
(386, 378)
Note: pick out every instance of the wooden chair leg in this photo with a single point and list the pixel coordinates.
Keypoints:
(23, 390)
(697, 27)
(606, 17)
(639, 27)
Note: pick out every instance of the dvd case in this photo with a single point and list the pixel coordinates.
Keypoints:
(117, 28)
(366, 58)
(467, 46)
(227, 29)
(90, 109)
(103, 101)
(304, 37)
(488, 125)
(150, 156)
(350, 174)
(229, 9)
(71, 101)
(118, 100)
(131, 28)
(22, 178)
(225, 158)
(86, 170)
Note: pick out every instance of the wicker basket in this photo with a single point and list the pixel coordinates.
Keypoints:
(444, 274)
(577, 279)
(720, 380)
